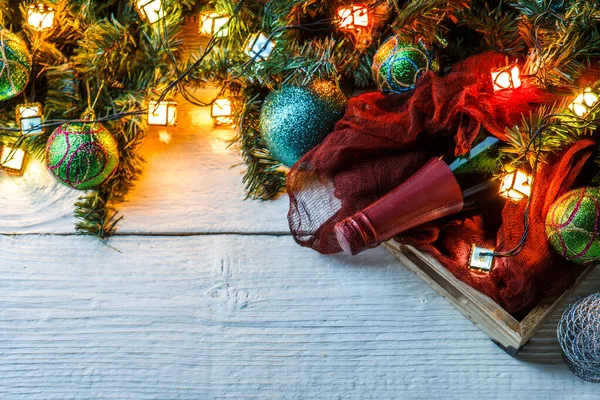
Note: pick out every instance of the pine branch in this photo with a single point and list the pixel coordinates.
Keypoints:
(563, 39)
(546, 130)
(497, 26)
(105, 53)
(264, 178)
(95, 216)
(425, 19)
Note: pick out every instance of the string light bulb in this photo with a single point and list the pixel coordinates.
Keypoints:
(353, 17)
(516, 185)
(221, 112)
(213, 24)
(40, 17)
(506, 78)
(162, 113)
(584, 102)
(481, 259)
(12, 160)
(29, 118)
(151, 10)
(259, 47)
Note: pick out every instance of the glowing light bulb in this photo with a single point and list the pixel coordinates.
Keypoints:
(152, 11)
(221, 112)
(506, 78)
(29, 118)
(353, 17)
(516, 185)
(259, 47)
(214, 24)
(480, 259)
(162, 113)
(12, 160)
(40, 17)
(584, 102)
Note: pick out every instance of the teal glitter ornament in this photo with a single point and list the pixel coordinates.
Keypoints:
(82, 155)
(573, 225)
(397, 65)
(15, 65)
(295, 119)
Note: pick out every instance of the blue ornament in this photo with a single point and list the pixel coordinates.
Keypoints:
(397, 65)
(295, 119)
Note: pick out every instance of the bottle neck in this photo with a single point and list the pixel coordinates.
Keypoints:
(431, 193)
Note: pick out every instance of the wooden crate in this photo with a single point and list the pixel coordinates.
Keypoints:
(506, 331)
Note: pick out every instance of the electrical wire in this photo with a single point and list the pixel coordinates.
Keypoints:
(549, 121)
(186, 94)
(582, 123)
(111, 117)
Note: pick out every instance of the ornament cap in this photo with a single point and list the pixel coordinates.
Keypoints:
(88, 115)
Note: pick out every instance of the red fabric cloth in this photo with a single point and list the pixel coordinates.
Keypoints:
(384, 139)
(516, 283)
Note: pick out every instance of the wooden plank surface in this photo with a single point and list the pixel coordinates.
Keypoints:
(241, 317)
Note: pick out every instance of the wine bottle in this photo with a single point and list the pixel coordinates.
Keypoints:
(432, 192)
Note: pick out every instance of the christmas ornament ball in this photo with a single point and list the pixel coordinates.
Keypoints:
(578, 332)
(15, 65)
(295, 119)
(572, 225)
(398, 64)
(82, 155)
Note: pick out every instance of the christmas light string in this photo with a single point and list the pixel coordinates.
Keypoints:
(248, 64)
(183, 90)
(111, 117)
(522, 241)
(313, 26)
(209, 47)
(548, 122)
(185, 93)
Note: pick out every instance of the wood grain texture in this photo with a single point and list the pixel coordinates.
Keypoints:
(34, 202)
(245, 317)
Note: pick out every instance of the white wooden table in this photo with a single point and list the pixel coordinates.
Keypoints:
(205, 296)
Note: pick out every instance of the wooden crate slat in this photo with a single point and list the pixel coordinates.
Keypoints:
(493, 320)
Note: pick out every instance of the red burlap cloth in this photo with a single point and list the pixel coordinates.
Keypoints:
(384, 139)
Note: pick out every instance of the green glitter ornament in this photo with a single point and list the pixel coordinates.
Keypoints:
(15, 65)
(295, 119)
(573, 225)
(82, 155)
(397, 65)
